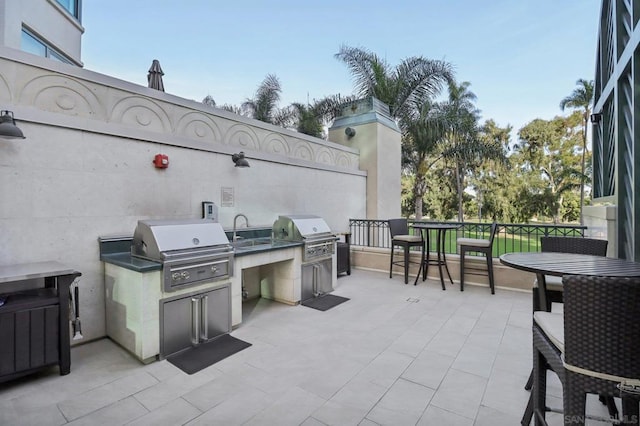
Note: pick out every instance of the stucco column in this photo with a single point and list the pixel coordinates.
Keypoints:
(602, 222)
(367, 126)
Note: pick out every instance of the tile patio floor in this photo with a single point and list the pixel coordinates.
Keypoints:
(394, 354)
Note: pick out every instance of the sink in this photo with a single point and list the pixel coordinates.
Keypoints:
(260, 244)
(252, 242)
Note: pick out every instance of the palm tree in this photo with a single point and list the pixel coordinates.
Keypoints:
(264, 105)
(209, 101)
(311, 119)
(462, 120)
(581, 98)
(412, 82)
(423, 127)
(462, 144)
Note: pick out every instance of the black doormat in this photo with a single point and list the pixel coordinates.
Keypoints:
(195, 359)
(324, 302)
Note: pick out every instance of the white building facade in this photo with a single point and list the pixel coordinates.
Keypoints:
(48, 28)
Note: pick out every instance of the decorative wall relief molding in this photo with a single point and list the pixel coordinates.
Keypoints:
(304, 151)
(5, 92)
(343, 160)
(64, 95)
(243, 136)
(197, 125)
(275, 143)
(140, 112)
(324, 155)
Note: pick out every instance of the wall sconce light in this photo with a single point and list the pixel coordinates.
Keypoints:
(8, 128)
(350, 132)
(239, 160)
(596, 117)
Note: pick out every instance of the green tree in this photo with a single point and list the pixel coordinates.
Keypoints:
(264, 105)
(423, 127)
(209, 101)
(581, 99)
(462, 145)
(311, 119)
(549, 151)
(493, 181)
(440, 197)
(411, 82)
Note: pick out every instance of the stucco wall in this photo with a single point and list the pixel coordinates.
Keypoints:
(378, 139)
(85, 169)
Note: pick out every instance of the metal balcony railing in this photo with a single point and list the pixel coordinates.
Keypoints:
(511, 237)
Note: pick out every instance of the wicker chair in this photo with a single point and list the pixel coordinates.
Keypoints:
(400, 237)
(478, 245)
(576, 245)
(592, 347)
(557, 244)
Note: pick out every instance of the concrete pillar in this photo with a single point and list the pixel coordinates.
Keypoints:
(602, 222)
(367, 126)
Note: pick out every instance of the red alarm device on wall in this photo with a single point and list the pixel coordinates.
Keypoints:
(161, 161)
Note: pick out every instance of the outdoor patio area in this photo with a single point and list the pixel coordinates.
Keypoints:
(394, 354)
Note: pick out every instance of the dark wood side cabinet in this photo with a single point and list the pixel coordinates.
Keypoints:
(344, 254)
(34, 318)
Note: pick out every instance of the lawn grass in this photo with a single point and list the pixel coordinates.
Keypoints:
(528, 240)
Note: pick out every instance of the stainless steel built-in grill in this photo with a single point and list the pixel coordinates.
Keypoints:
(313, 231)
(317, 251)
(191, 251)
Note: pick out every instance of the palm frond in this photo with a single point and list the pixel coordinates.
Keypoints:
(365, 67)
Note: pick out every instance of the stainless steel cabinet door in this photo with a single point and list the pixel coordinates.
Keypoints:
(190, 320)
(324, 276)
(215, 313)
(316, 279)
(178, 316)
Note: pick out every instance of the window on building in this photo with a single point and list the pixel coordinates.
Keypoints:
(33, 44)
(72, 6)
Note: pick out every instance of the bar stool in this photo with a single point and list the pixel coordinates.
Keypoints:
(578, 245)
(400, 237)
(557, 244)
(592, 347)
(480, 245)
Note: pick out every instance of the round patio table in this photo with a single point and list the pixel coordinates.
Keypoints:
(441, 258)
(559, 264)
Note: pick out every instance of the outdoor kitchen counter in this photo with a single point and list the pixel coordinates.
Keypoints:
(112, 250)
(117, 251)
(246, 247)
(134, 263)
(274, 266)
(270, 272)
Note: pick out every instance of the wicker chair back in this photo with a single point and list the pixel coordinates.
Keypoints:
(398, 227)
(576, 245)
(602, 330)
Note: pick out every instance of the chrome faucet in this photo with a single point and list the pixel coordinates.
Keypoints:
(246, 220)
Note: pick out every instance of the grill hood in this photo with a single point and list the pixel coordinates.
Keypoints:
(300, 227)
(155, 239)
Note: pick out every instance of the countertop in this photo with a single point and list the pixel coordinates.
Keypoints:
(127, 261)
(28, 271)
(116, 251)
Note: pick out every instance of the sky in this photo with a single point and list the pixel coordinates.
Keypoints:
(520, 56)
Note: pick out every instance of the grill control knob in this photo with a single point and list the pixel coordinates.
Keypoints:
(185, 275)
(175, 276)
(214, 269)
